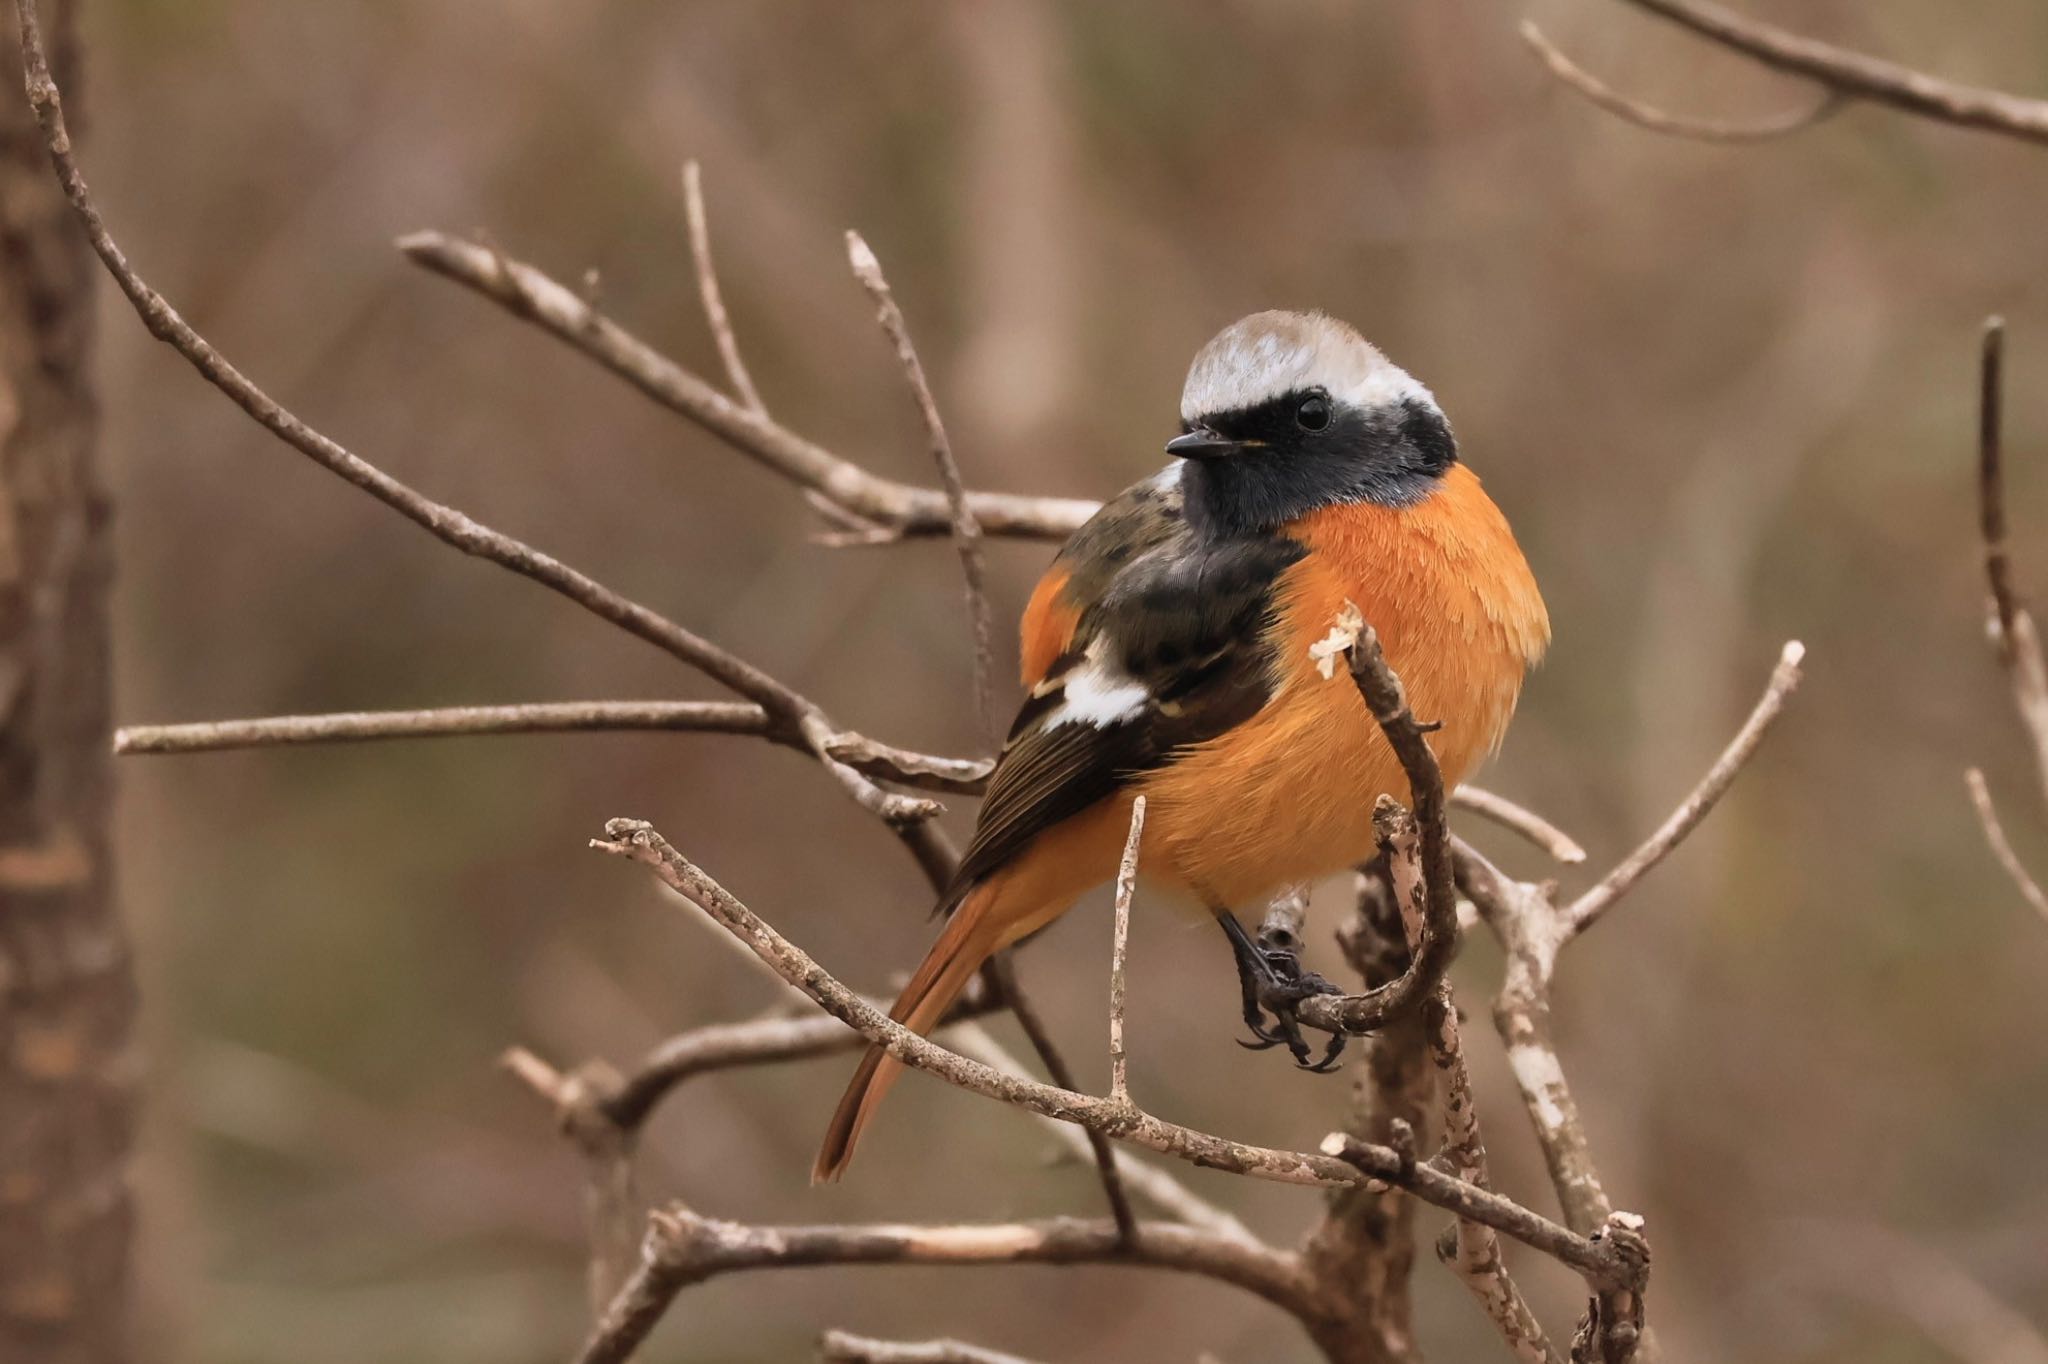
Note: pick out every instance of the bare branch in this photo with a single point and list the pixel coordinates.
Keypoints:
(966, 530)
(611, 1207)
(1349, 1162)
(2012, 625)
(2001, 847)
(1150, 1182)
(1437, 941)
(1856, 76)
(713, 298)
(884, 762)
(1580, 914)
(551, 717)
(1470, 1250)
(683, 1248)
(1661, 121)
(902, 508)
(843, 1347)
(2005, 603)
(1001, 971)
(1518, 819)
(1612, 1328)
(445, 523)
(1119, 955)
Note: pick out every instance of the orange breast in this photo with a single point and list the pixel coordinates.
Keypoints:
(1288, 795)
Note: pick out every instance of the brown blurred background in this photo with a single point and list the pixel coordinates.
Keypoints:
(1726, 395)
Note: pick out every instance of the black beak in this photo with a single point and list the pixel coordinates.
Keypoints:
(1202, 443)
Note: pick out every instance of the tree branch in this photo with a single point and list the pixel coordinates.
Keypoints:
(1349, 1161)
(684, 1248)
(712, 297)
(445, 523)
(843, 1347)
(1855, 76)
(530, 294)
(966, 529)
(1657, 120)
(1580, 914)
(2001, 846)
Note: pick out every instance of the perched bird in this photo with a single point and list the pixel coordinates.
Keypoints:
(1166, 653)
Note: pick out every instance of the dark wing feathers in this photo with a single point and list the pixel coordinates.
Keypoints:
(1184, 616)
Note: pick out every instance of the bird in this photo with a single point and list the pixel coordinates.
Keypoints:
(1166, 653)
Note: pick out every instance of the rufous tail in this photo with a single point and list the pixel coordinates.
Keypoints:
(969, 939)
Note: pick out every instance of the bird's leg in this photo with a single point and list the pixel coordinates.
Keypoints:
(1273, 981)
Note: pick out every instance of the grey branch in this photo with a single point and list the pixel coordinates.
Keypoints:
(530, 294)
(843, 1347)
(2013, 633)
(1856, 76)
(966, 528)
(1657, 120)
(1119, 955)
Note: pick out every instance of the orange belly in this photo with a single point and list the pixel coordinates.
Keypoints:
(1288, 795)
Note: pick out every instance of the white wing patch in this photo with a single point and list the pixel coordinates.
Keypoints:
(1097, 692)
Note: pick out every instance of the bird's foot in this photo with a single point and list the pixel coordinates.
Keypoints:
(1273, 982)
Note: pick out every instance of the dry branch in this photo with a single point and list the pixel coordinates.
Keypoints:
(1581, 913)
(966, 529)
(1658, 120)
(1349, 1162)
(713, 297)
(530, 294)
(684, 1248)
(2001, 846)
(843, 1347)
(1853, 75)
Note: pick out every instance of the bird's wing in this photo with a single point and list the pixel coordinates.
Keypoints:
(1141, 640)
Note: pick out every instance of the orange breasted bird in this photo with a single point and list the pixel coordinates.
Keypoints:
(1166, 653)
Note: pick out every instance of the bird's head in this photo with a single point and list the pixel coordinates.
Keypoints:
(1284, 413)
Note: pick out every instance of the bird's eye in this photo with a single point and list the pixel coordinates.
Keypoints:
(1314, 412)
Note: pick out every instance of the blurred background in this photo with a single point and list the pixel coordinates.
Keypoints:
(1725, 394)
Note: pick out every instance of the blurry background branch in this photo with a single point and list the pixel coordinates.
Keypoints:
(1842, 74)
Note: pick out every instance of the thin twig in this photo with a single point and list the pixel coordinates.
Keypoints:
(1119, 955)
(2001, 847)
(713, 298)
(1348, 1162)
(1521, 820)
(884, 762)
(1152, 1183)
(552, 717)
(966, 529)
(1657, 120)
(1857, 76)
(1991, 480)
(530, 294)
(1002, 972)
(2012, 625)
(1581, 913)
(844, 1347)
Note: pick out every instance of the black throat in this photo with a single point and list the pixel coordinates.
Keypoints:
(1392, 455)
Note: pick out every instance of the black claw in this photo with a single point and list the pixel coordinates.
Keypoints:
(1272, 982)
